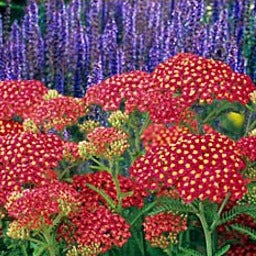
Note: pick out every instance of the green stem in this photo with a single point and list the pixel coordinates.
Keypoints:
(248, 124)
(147, 121)
(12, 6)
(223, 204)
(142, 212)
(24, 250)
(252, 125)
(115, 173)
(66, 170)
(100, 165)
(215, 113)
(169, 250)
(207, 232)
(51, 246)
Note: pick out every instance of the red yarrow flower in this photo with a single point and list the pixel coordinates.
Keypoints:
(191, 78)
(246, 147)
(22, 176)
(56, 113)
(163, 228)
(198, 166)
(33, 209)
(107, 142)
(100, 228)
(17, 97)
(10, 127)
(110, 93)
(103, 181)
(31, 149)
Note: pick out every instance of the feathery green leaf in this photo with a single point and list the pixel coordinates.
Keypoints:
(245, 230)
(222, 250)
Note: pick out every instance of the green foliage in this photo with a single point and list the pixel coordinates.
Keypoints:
(101, 192)
(174, 205)
(222, 250)
(135, 214)
(244, 230)
(237, 210)
(190, 252)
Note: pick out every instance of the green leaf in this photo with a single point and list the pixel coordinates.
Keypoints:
(245, 230)
(168, 204)
(101, 192)
(133, 219)
(237, 210)
(211, 211)
(222, 250)
(127, 194)
(190, 252)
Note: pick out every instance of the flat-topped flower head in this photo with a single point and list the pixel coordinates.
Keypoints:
(10, 127)
(17, 97)
(191, 78)
(246, 147)
(99, 228)
(107, 142)
(163, 229)
(110, 93)
(104, 181)
(160, 135)
(38, 207)
(57, 113)
(20, 177)
(71, 151)
(31, 149)
(198, 166)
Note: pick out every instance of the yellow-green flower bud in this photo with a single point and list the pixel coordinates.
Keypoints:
(16, 231)
(86, 149)
(51, 94)
(30, 126)
(88, 126)
(117, 119)
(253, 96)
(252, 133)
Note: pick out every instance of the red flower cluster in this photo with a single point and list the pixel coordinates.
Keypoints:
(107, 142)
(16, 179)
(227, 233)
(195, 78)
(173, 87)
(38, 207)
(17, 97)
(10, 127)
(70, 151)
(31, 149)
(198, 166)
(56, 113)
(99, 229)
(163, 229)
(103, 180)
(27, 159)
(110, 93)
(243, 249)
(247, 147)
(160, 135)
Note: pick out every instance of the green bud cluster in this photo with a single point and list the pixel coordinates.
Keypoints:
(117, 119)
(84, 250)
(88, 126)
(30, 126)
(51, 94)
(16, 231)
